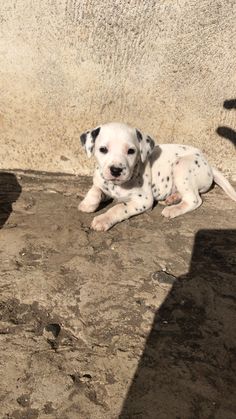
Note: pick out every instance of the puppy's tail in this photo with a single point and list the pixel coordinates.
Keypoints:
(224, 183)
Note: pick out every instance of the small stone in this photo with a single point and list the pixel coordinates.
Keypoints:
(56, 227)
(24, 400)
(163, 278)
(48, 408)
(50, 191)
(51, 331)
(64, 158)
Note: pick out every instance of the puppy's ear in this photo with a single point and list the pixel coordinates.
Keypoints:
(146, 145)
(88, 140)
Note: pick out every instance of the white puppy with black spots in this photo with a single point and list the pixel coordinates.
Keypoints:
(135, 173)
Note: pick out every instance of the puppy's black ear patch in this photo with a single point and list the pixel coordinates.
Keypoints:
(139, 135)
(88, 140)
(95, 133)
(83, 138)
(151, 142)
(146, 145)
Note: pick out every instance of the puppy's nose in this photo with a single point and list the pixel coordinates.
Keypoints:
(115, 171)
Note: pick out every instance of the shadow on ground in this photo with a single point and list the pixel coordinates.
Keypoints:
(10, 191)
(224, 131)
(187, 369)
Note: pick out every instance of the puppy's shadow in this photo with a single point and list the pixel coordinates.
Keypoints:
(10, 191)
(104, 204)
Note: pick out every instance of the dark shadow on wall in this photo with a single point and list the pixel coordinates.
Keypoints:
(230, 104)
(188, 370)
(224, 131)
(10, 191)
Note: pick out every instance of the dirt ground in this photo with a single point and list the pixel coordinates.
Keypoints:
(137, 322)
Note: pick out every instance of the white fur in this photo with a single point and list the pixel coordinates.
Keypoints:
(173, 173)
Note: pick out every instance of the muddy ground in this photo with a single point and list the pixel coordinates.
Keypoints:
(137, 322)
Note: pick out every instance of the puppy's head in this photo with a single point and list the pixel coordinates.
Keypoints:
(117, 148)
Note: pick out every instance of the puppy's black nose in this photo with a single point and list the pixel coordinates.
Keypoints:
(115, 171)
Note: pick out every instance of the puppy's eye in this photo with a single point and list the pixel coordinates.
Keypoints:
(103, 150)
(131, 151)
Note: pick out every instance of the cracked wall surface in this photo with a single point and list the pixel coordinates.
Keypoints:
(166, 67)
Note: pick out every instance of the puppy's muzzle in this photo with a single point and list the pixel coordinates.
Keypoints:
(115, 171)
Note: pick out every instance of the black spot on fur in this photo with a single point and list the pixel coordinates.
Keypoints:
(167, 178)
(139, 135)
(125, 203)
(196, 162)
(162, 179)
(144, 207)
(95, 133)
(153, 185)
(140, 194)
(126, 212)
(158, 174)
(166, 186)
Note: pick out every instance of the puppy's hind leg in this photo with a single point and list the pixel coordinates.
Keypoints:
(187, 188)
(190, 202)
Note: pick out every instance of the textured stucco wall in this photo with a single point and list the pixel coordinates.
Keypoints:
(165, 66)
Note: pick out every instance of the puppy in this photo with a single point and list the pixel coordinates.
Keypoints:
(135, 173)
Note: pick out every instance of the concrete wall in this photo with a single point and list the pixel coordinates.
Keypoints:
(165, 66)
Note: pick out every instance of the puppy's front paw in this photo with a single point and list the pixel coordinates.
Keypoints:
(171, 212)
(101, 223)
(85, 206)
